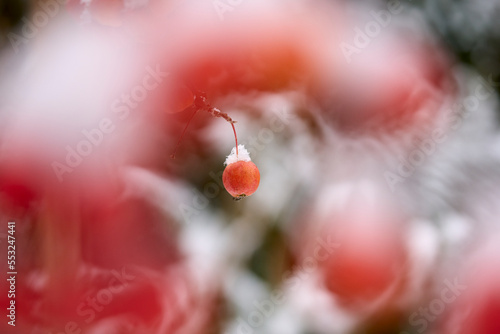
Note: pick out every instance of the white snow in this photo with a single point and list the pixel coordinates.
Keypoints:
(243, 155)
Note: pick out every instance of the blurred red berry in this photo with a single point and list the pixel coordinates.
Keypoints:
(476, 308)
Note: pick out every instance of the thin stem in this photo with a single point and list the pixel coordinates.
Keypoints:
(183, 132)
(235, 139)
(202, 104)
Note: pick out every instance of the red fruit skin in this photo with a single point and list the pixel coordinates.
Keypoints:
(369, 266)
(379, 94)
(241, 179)
(368, 263)
(476, 308)
(258, 49)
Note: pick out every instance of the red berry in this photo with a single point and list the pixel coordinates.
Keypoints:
(241, 179)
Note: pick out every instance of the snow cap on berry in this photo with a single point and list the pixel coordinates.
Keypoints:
(243, 155)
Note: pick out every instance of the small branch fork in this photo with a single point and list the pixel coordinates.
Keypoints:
(201, 104)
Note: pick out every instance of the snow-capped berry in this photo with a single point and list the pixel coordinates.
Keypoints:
(241, 177)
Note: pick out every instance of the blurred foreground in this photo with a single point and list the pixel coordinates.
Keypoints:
(374, 126)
